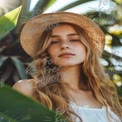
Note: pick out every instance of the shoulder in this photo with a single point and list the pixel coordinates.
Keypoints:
(25, 87)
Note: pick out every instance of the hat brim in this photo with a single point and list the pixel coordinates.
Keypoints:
(31, 32)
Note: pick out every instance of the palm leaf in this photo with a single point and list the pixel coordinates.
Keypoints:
(24, 109)
(20, 67)
(49, 4)
(2, 60)
(8, 22)
(74, 4)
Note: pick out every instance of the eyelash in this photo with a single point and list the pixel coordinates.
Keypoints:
(72, 40)
(54, 42)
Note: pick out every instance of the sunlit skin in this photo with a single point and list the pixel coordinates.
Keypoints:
(64, 39)
(67, 50)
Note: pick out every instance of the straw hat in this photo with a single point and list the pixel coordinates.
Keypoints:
(31, 32)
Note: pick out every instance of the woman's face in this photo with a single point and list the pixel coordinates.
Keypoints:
(66, 48)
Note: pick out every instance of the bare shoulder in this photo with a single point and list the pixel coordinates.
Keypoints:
(25, 87)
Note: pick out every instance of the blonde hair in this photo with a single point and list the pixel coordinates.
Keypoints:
(54, 95)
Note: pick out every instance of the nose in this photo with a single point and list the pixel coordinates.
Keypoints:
(64, 45)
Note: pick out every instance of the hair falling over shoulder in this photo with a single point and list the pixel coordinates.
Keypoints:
(54, 94)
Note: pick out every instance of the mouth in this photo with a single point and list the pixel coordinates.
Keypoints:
(66, 55)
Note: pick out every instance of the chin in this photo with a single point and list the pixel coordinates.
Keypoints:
(68, 64)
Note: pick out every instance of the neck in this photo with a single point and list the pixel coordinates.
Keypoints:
(72, 76)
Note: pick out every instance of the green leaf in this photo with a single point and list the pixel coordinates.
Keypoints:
(41, 6)
(119, 89)
(20, 108)
(4, 118)
(16, 76)
(8, 22)
(2, 60)
(20, 67)
(74, 4)
(6, 74)
(49, 4)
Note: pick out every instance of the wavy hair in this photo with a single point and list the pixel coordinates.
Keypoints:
(54, 94)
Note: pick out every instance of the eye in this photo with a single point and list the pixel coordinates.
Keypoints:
(55, 42)
(74, 40)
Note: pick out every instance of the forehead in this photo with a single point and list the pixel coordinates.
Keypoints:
(63, 28)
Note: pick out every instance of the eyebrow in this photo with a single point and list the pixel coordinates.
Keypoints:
(72, 34)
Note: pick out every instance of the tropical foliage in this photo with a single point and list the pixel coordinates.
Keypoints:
(13, 60)
(24, 109)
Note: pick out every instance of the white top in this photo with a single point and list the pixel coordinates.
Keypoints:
(93, 114)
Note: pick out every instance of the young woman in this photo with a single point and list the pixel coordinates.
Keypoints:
(67, 75)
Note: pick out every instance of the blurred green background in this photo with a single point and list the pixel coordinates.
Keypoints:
(106, 13)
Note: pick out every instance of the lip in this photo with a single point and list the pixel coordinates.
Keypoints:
(66, 54)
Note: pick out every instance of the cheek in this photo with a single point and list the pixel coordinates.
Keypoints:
(80, 47)
(81, 50)
(51, 51)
